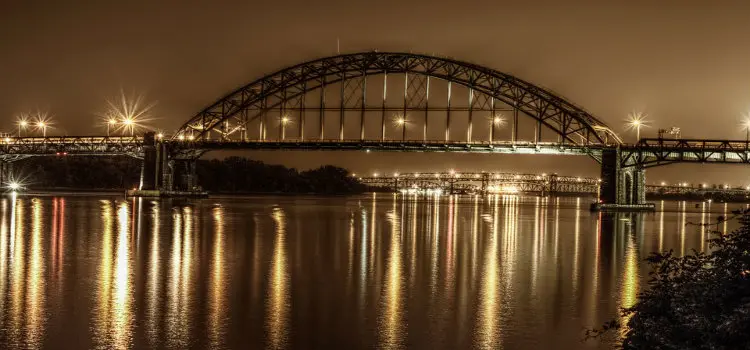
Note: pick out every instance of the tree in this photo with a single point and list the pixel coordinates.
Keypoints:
(698, 301)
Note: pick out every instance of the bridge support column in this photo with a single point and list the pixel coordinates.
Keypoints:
(185, 171)
(621, 185)
(149, 166)
(610, 174)
(6, 170)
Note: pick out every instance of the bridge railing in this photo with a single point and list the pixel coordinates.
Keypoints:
(72, 140)
(693, 144)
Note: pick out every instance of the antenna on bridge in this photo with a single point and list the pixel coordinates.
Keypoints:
(338, 46)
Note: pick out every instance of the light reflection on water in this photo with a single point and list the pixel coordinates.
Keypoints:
(371, 271)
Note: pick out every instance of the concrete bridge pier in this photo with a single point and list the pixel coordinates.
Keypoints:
(150, 164)
(623, 186)
(6, 173)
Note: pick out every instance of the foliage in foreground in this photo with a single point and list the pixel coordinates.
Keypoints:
(699, 301)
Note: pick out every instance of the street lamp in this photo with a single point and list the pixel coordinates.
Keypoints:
(129, 123)
(111, 123)
(496, 121)
(42, 125)
(636, 121)
(746, 125)
(22, 124)
(284, 122)
(401, 121)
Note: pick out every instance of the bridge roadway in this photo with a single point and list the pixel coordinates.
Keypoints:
(646, 153)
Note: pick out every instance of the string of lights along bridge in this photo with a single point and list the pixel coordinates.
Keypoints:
(378, 101)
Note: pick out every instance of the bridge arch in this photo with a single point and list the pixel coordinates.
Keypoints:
(572, 124)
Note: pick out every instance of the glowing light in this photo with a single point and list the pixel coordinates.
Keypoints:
(284, 120)
(416, 175)
(160, 135)
(663, 183)
(636, 121)
(181, 137)
(129, 112)
(375, 175)
(191, 137)
(498, 120)
(395, 174)
(452, 171)
(23, 123)
(14, 186)
(7, 140)
(400, 121)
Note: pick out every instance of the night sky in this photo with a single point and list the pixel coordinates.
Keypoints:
(684, 65)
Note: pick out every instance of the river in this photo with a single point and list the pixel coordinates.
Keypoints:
(369, 271)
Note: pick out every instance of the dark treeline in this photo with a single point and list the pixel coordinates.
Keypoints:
(233, 174)
(79, 172)
(237, 174)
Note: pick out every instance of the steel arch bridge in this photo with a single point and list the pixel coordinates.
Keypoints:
(351, 98)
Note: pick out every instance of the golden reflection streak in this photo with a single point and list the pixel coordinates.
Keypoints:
(683, 215)
(217, 324)
(434, 251)
(4, 243)
(363, 256)
(557, 225)
(450, 260)
(703, 223)
(661, 226)
(413, 234)
(104, 292)
(391, 323)
(17, 247)
(122, 308)
(488, 336)
(630, 280)
(36, 281)
(726, 205)
(577, 246)
(278, 293)
(153, 293)
(175, 326)
(535, 245)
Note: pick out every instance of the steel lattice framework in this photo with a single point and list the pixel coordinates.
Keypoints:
(655, 152)
(488, 90)
(13, 148)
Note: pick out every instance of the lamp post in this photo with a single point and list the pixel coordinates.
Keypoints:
(42, 125)
(111, 123)
(636, 121)
(22, 124)
(746, 125)
(402, 122)
(284, 122)
(495, 122)
(128, 123)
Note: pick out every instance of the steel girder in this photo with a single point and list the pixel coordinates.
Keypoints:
(571, 122)
(201, 146)
(14, 148)
(655, 152)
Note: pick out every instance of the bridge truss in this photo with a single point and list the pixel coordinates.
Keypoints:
(655, 152)
(15, 148)
(383, 97)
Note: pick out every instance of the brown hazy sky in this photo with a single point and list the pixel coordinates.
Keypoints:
(685, 63)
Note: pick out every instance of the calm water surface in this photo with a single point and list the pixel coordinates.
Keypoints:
(304, 272)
